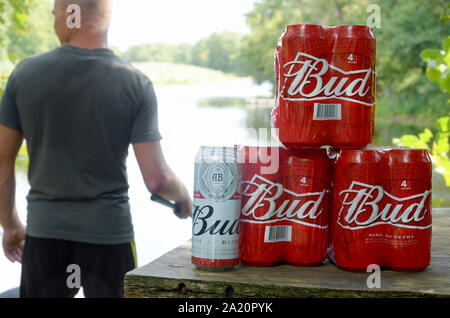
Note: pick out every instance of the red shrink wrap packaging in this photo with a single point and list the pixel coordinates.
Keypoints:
(325, 86)
(381, 209)
(284, 213)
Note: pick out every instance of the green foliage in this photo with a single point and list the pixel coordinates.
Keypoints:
(438, 66)
(38, 37)
(13, 19)
(18, 39)
(438, 147)
(269, 18)
(219, 51)
(446, 15)
(13, 15)
(26, 27)
(158, 52)
(162, 73)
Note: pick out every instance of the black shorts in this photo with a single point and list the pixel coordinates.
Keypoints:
(56, 268)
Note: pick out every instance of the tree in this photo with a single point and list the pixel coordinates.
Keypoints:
(39, 36)
(13, 20)
(438, 71)
(157, 52)
(25, 29)
(266, 21)
(218, 51)
(14, 29)
(13, 16)
(269, 18)
(408, 27)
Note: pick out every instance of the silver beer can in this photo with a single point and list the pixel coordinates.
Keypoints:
(215, 220)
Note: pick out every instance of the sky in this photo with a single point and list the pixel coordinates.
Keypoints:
(175, 21)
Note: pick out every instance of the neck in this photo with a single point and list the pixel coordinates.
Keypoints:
(88, 40)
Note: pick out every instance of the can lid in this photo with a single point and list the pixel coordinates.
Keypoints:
(405, 154)
(310, 37)
(216, 154)
(306, 29)
(366, 155)
(322, 40)
(257, 154)
(347, 30)
(352, 38)
(399, 154)
(353, 31)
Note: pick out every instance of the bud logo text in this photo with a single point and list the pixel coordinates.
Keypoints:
(278, 203)
(305, 81)
(364, 205)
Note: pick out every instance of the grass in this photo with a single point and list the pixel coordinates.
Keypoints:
(223, 102)
(163, 73)
(181, 74)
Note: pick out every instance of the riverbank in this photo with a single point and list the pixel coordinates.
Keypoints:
(182, 74)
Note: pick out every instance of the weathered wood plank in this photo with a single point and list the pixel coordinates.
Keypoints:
(173, 275)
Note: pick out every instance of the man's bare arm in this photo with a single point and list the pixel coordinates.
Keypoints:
(159, 178)
(14, 231)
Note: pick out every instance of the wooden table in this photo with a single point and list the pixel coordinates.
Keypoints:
(173, 275)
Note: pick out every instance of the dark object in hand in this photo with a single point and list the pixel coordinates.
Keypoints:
(167, 203)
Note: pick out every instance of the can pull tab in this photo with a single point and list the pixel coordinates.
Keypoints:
(175, 207)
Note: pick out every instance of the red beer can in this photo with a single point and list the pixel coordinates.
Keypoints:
(381, 209)
(284, 212)
(325, 86)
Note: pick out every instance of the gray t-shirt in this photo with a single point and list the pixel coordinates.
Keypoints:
(79, 110)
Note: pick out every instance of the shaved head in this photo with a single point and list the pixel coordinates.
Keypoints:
(95, 18)
(92, 10)
(91, 6)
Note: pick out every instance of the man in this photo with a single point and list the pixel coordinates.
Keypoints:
(79, 107)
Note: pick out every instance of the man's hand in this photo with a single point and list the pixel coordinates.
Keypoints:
(160, 179)
(14, 232)
(185, 209)
(14, 242)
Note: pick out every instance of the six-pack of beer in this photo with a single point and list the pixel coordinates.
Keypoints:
(358, 206)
